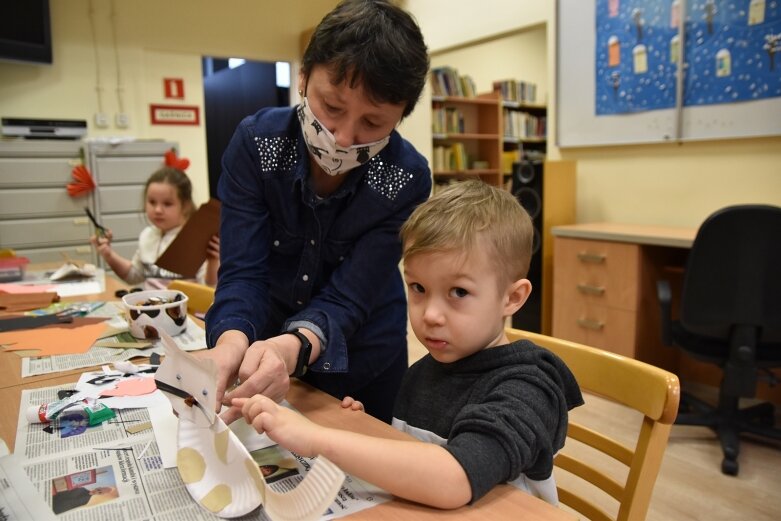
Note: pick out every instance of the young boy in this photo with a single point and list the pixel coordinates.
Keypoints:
(490, 411)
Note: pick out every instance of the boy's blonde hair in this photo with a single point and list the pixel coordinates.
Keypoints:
(468, 215)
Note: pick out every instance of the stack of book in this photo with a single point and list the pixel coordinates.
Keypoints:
(451, 158)
(445, 81)
(522, 125)
(516, 90)
(447, 120)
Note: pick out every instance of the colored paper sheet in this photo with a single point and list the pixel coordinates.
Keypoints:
(187, 252)
(132, 387)
(19, 289)
(65, 339)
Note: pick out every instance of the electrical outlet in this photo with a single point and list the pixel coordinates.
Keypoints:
(122, 120)
(101, 120)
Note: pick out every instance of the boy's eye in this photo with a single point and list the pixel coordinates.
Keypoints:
(459, 292)
(417, 288)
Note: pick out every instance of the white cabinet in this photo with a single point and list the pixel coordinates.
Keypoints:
(37, 217)
(40, 221)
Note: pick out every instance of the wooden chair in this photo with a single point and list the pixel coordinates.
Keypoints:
(650, 390)
(200, 296)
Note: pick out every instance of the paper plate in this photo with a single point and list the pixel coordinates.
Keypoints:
(217, 470)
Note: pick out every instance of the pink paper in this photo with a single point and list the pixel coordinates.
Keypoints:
(20, 289)
(132, 387)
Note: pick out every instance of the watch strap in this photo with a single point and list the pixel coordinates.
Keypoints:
(302, 364)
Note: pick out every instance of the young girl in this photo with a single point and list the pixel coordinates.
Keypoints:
(168, 204)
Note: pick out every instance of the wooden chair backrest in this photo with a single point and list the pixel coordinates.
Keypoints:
(200, 296)
(649, 390)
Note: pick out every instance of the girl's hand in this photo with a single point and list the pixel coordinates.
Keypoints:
(102, 244)
(213, 248)
(351, 403)
(286, 427)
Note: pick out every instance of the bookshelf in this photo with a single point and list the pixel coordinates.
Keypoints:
(467, 136)
(524, 131)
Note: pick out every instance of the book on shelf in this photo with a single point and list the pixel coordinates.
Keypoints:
(516, 91)
(447, 120)
(445, 81)
(522, 125)
(450, 158)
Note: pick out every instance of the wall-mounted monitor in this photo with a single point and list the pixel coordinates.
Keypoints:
(25, 31)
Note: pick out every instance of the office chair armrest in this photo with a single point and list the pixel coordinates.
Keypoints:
(664, 294)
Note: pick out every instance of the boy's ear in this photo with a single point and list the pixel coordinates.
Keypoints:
(516, 296)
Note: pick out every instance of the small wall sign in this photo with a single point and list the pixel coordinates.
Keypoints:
(174, 115)
(174, 88)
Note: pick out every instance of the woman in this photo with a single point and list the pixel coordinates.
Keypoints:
(312, 201)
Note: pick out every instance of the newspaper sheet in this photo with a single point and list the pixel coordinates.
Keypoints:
(124, 477)
(191, 340)
(18, 498)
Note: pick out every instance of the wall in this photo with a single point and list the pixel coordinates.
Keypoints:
(154, 40)
(666, 184)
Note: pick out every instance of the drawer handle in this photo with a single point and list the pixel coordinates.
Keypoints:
(594, 258)
(83, 249)
(80, 221)
(591, 324)
(591, 290)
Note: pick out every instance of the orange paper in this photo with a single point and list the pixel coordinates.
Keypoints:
(61, 339)
(13, 302)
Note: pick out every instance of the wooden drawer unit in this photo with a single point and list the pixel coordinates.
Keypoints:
(596, 293)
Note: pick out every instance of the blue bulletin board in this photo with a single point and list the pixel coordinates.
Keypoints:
(618, 61)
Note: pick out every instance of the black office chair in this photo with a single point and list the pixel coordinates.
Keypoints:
(730, 315)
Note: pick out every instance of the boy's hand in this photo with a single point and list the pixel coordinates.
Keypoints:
(286, 427)
(351, 403)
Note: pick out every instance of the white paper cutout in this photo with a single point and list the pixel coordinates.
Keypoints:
(217, 469)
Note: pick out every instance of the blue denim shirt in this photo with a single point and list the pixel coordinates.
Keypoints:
(289, 257)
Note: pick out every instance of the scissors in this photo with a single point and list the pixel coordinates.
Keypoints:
(101, 230)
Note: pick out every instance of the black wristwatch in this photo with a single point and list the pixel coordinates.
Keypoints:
(302, 364)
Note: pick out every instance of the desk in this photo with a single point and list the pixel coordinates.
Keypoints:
(11, 364)
(503, 502)
(604, 293)
(604, 285)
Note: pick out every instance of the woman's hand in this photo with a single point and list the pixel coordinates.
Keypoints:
(265, 370)
(227, 355)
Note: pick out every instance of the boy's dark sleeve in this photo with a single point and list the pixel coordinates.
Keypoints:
(517, 428)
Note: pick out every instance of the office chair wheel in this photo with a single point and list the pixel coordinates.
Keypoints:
(729, 467)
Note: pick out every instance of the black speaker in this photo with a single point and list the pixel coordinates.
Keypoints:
(527, 188)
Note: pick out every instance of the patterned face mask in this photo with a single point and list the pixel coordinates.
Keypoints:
(332, 158)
